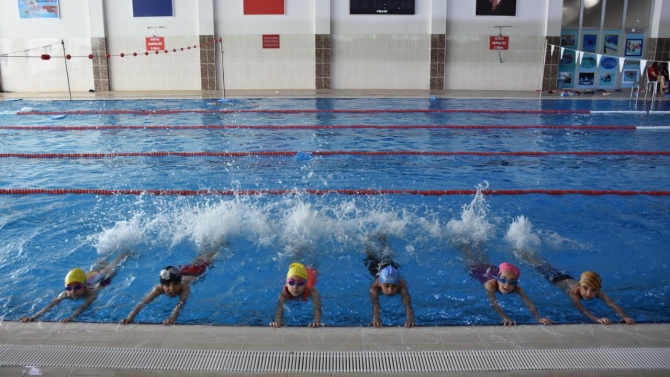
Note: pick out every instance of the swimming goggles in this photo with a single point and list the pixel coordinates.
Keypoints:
(299, 283)
(504, 280)
(75, 287)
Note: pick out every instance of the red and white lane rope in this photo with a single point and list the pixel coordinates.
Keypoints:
(333, 153)
(38, 191)
(297, 111)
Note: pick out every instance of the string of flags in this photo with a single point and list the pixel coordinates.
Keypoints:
(580, 54)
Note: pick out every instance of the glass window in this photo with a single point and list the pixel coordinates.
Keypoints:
(638, 14)
(592, 13)
(614, 13)
(570, 14)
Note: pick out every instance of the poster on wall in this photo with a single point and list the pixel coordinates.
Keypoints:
(611, 44)
(38, 9)
(633, 47)
(496, 8)
(257, 7)
(586, 78)
(629, 76)
(589, 44)
(568, 40)
(153, 8)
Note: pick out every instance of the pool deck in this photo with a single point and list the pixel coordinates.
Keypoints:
(587, 337)
(390, 339)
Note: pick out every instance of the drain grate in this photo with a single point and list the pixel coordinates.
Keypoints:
(334, 362)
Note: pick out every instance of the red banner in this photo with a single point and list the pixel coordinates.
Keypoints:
(155, 43)
(498, 42)
(270, 40)
(264, 7)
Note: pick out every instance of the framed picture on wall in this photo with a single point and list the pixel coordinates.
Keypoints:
(380, 7)
(589, 44)
(565, 77)
(258, 7)
(495, 8)
(38, 9)
(586, 79)
(568, 40)
(629, 76)
(611, 44)
(153, 8)
(633, 47)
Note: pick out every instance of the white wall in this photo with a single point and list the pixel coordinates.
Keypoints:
(230, 20)
(73, 22)
(660, 14)
(119, 20)
(530, 19)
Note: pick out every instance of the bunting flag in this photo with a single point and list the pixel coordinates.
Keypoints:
(552, 50)
(4, 59)
(562, 49)
(598, 56)
(26, 53)
(580, 55)
(643, 64)
(47, 49)
(621, 60)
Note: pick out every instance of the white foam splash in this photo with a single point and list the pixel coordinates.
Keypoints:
(521, 236)
(123, 235)
(473, 228)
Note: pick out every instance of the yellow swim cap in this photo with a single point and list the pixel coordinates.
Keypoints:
(591, 279)
(297, 269)
(76, 275)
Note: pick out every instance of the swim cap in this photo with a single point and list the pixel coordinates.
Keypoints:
(591, 279)
(297, 269)
(389, 274)
(76, 275)
(509, 267)
(170, 273)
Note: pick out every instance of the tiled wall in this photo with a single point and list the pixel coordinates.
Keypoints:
(32, 74)
(471, 65)
(178, 70)
(380, 61)
(248, 65)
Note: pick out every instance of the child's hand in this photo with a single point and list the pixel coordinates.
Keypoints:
(544, 321)
(168, 322)
(27, 319)
(627, 320)
(66, 320)
(508, 322)
(604, 321)
(126, 321)
(316, 324)
(277, 325)
(410, 323)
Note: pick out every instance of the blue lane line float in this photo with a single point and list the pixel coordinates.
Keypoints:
(56, 117)
(433, 98)
(303, 156)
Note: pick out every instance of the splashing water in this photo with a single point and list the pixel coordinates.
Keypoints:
(473, 228)
(123, 235)
(520, 236)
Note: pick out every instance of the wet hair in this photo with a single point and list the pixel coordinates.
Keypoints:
(170, 274)
(590, 279)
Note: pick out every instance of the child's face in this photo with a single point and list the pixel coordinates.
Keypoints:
(75, 290)
(296, 285)
(587, 292)
(172, 288)
(507, 282)
(389, 289)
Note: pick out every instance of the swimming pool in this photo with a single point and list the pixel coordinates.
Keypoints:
(622, 237)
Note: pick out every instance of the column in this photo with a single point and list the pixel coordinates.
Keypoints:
(322, 44)
(554, 17)
(207, 45)
(438, 38)
(96, 17)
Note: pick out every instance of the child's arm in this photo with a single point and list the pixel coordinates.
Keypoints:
(576, 300)
(183, 296)
(155, 292)
(407, 301)
(617, 309)
(283, 297)
(532, 308)
(374, 298)
(491, 287)
(53, 303)
(90, 297)
(316, 301)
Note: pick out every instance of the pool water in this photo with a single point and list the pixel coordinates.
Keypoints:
(623, 238)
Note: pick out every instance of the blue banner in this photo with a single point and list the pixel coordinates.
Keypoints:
(153, 8)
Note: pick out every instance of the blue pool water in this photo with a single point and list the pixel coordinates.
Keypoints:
(624, 238)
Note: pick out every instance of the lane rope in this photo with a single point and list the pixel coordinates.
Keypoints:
(38, 191)
(333, 153)
(326, 126)
(299, 111)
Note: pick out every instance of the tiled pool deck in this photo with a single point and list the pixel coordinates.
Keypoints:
(398, 340)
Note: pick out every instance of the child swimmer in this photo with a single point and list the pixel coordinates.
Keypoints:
(79, 284)
(300, 285)
(174, 282)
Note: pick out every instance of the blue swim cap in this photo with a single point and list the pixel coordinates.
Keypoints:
(390, 275)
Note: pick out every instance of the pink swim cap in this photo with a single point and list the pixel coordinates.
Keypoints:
(509, 267)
